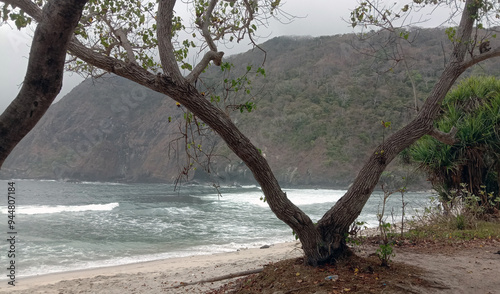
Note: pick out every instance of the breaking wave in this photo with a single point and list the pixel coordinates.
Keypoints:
(46, 209)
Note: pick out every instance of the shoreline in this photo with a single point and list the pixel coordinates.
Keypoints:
(157, 276)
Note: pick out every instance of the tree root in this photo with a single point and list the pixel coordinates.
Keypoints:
(220, 278)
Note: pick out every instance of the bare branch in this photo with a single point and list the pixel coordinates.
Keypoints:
(164, 35)
(113, 65)
(203, 23)
(446, 138)
(209, 56)
(122, 36)
(110, 47)
(482, 57)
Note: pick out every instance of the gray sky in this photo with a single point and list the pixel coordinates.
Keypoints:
(315, 18)
(320, 17)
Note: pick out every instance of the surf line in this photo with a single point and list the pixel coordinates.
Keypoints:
(11, 233)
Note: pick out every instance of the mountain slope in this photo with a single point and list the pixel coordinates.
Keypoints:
(317, 118)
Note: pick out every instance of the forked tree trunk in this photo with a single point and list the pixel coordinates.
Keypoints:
(325, 241)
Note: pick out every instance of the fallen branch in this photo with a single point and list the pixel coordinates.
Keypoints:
(224, 277)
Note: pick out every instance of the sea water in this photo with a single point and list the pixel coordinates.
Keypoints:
(62, 226)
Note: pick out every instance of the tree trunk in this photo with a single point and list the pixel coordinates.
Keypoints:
(324, 242)
(44, 75)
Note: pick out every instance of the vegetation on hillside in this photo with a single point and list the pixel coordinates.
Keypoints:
(330, 95)
(317, 115)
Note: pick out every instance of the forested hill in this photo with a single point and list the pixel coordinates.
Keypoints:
(317, 118)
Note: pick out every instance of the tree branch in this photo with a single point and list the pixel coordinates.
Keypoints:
(127, 70)
(122, 36)
(209, 56)
(164, 36)
(221, 278)
(188, 96)
(203, 22)
(446, 138)
(110, 47)
(482, 57)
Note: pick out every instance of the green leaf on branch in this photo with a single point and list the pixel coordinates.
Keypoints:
(261, 71)
(404, 35)
(248, 106)
(20, 19)
(187, 66)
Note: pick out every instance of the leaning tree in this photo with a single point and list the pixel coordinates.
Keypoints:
(43, 80)
(121, 37)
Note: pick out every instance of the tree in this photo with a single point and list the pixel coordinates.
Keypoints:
(471, 161)
(116, 37)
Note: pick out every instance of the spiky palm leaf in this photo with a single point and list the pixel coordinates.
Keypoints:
(474, 109)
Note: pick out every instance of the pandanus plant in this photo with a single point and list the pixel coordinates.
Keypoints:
(469, 163)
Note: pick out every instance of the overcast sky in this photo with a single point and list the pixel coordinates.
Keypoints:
(315, 18)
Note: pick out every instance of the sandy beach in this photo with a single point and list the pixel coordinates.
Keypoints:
(161, 276)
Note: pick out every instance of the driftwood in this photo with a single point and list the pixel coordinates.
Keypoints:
(224, 277)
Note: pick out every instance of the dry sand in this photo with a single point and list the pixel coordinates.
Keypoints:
(156, 276)
(471, 269)
(468, 270)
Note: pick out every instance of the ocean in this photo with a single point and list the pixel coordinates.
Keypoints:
(62, 226)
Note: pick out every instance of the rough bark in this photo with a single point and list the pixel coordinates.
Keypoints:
(325, 241)
(164, 32)
(44, 74)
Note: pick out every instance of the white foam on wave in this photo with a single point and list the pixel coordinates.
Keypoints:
(313, 196)
(46, 209)
(250, 187)
(297, 196)
(186, 210)
(100, 183)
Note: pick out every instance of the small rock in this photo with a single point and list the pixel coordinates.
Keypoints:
(265, 247)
